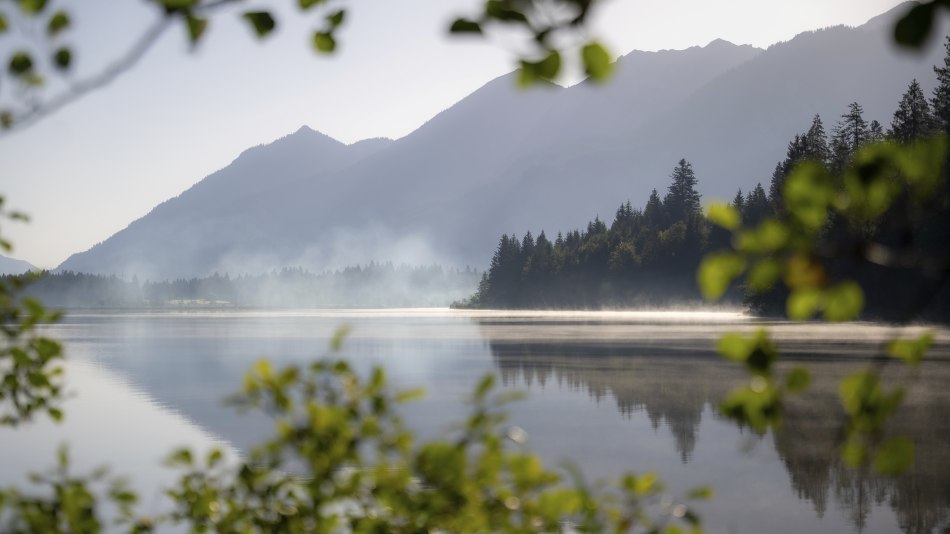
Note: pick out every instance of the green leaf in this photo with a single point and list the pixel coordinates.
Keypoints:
(797, 380)
(597, 62)
(20, 64)
(734, 347)
(913, 29)
(922, 164)
(214, 457)
(809, 191)
(702, 493)
(546, 69)
(3, 23)
(196, 27)
(57, 23)
(172, 6)
(716, 273)
(465, 26)
(501, 10)
(336, 18)
(6, 122)
(802, 304)
(410, 395)
(63, 58)
(895, 456)
(324, 42)
(763, 274)
(854, 453)
(484, 386)
(336, 342)
(725, 216)
(32, 7)
(769, 236)
(55, 414)
(911, 351)
(181, 457)
(262, 22)
(843, 302)
(307, 4)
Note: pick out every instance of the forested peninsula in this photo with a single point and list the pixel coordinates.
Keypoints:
(648, 256)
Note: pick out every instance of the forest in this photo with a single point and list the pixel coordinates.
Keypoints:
(649, 255)
(371, 285)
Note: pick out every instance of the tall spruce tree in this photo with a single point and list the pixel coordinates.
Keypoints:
(850, 134)
(941, 95)
(653, 211)
(738, 203)
(682, 199)
(756, 206)
(811, 145)
(816, 142)
(913, 119)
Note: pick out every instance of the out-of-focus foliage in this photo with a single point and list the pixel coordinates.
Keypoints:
(827, 216)
(69, 503)
(39, 31)
(342, 461)
(859, 200)
(29, 371)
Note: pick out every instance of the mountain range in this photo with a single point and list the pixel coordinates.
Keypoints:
(507, 160)
(14, 266)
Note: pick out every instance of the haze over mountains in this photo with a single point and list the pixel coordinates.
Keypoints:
(14, 266)
(505, 160)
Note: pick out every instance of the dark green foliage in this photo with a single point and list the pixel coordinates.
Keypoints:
(940, 102)
(682, 199)
(644, 256)
(811, 145)
(30, 378)
(850, 134)
(912, 120)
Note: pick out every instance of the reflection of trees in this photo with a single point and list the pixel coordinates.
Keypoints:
(673, 389)
(669, 389)
(808, 442)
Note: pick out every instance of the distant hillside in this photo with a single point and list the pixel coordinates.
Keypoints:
(504, 160)
(14, 266)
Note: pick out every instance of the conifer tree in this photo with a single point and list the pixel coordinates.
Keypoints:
(850, 134)
(653, 211)
(913, 119)
(682, 199)
(940, 102)
(756, 206)
(738, 203)
(816, 142)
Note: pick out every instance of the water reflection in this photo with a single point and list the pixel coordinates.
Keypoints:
(675, 387)
(610, 391)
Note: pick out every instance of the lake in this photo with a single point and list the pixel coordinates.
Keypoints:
(607, 391)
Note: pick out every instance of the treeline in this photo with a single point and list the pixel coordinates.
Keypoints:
(646, 256)
(372, 285)
(649, 255)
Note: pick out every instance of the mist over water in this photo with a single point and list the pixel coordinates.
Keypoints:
(607, 390)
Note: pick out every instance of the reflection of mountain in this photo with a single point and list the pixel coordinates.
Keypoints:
(673, 389)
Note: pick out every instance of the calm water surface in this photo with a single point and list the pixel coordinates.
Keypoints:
(608, 391)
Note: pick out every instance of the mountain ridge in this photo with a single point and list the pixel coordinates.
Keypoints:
(502, 160)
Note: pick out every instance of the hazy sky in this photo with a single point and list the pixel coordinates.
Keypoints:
(92, 168)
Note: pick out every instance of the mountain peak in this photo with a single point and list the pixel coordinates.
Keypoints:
(720, 43)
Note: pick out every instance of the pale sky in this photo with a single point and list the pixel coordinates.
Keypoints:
(92, 168)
